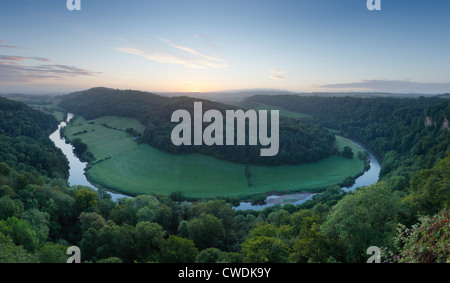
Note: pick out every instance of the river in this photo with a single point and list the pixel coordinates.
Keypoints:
(77, 174)
(77, 168)
(369, 177)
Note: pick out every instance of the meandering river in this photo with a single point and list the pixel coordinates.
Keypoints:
(76, 171)
(369, 177)
(77, 174)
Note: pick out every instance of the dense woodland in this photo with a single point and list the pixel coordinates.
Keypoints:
(24, 143)
(405, 214)
(300, 142)
(406, 134)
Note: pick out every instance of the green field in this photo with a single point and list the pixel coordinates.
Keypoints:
(138, 168)
(59, 115)
(104, 142)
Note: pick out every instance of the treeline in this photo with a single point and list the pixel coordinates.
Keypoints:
(300, 142)
(395, 129)
(24, 142)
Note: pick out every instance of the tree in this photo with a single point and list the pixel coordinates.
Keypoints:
(263, 249)
(279, 217)
(5, 170)
(52, 253)
(10, 207)
(117, 241)
(141, 208)
(89, 244)
(348, 152)
(120, 215)
(91, 220)
(6, 190)
(149, 241)
(311, 246)
(85, 199)
(429, 190)
(11, 253)
(210, 255)
(39, 221)
(206, 231)
(179, 250)
(79, 147)
(20, 232)
(22, 182)
(165, 217)
(366, 218)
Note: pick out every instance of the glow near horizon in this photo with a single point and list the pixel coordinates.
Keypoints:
(200, 45)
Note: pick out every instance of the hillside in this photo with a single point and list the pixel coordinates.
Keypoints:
(300, 141)
(25, 146)
(406, 133)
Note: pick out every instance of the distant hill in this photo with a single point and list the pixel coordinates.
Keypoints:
(445, 95)
(300, 141)
(235, 96)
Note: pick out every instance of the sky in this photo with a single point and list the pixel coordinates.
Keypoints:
(219, 45)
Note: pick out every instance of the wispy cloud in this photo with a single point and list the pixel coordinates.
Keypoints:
(277, 74)
(208, 41)
(188, 57)
(192, 51)
(21, 58)
(277, 78)
(405, 86)
(3, 45)
(9, 46)
(13, 69)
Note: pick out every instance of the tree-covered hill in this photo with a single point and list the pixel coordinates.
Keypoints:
(406, 133)
(300, 142)
(24, 141)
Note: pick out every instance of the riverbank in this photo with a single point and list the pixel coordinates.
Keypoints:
(368, 178)
(141, 169)
(76, 167)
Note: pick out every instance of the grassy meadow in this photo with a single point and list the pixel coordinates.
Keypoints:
(132, 168)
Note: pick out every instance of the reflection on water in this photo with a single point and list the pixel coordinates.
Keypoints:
(76, 171)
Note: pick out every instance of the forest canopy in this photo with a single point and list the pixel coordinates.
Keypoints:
(24, 142)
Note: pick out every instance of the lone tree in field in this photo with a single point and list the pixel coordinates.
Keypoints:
(348, 153)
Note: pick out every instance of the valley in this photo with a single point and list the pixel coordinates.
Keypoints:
(206, 204)
(123, 165)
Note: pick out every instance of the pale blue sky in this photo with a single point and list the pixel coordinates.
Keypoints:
(215, 45)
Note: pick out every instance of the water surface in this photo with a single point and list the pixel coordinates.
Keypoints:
(77, 168)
